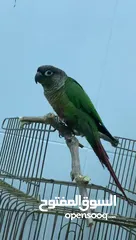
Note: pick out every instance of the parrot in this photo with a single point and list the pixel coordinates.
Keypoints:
(72, 104)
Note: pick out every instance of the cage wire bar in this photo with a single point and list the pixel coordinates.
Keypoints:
(23, 185)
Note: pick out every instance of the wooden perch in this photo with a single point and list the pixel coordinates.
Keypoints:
(73, 145)
(55, 122)
(49, 119)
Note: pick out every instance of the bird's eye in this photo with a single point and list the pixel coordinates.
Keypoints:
(48, 73)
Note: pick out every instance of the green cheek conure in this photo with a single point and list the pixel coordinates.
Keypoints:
(75, 108)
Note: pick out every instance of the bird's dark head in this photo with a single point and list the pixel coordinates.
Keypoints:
(50, 77)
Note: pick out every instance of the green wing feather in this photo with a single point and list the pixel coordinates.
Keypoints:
(80, 99)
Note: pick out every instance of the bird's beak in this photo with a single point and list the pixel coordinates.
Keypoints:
(38, 77)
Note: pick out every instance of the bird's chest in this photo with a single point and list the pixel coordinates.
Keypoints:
(57, 103)
(59, 110)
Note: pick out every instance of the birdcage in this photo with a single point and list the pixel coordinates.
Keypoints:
(23, 185)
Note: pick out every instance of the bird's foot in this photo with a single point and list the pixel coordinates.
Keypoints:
(60, 121)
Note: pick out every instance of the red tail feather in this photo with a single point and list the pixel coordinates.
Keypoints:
(103, 157)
